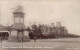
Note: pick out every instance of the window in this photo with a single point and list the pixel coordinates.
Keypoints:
(16, 20)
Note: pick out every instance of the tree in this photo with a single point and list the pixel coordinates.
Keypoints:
(36, 31)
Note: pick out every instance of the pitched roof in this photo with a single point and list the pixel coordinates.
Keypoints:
(2, 28)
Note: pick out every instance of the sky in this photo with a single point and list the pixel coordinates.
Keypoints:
(44, 12)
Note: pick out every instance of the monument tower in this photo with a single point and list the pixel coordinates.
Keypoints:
(18, 15)
(18, 31)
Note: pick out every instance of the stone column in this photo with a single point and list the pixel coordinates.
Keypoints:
(26, 36)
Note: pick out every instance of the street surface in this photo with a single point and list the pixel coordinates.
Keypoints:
(43, 44)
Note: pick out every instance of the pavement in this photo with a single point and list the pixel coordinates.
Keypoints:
(43, 44)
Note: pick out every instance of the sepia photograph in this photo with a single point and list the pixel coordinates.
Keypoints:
(39, 24)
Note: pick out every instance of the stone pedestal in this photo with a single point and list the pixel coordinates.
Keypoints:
(26, 36)
(18, 36)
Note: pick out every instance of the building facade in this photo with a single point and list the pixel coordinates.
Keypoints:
(54, 30)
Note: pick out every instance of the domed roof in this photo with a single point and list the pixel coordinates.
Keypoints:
(18, 9)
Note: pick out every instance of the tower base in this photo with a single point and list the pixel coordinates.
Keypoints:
(18, 36)
(16, 39)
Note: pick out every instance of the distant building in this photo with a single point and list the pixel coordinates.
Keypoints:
(45, 29)
(57, 30)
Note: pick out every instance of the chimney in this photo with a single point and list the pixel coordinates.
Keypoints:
(52, 25)
(58, 24)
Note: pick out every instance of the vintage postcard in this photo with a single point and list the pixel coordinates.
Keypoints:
(39, 24)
